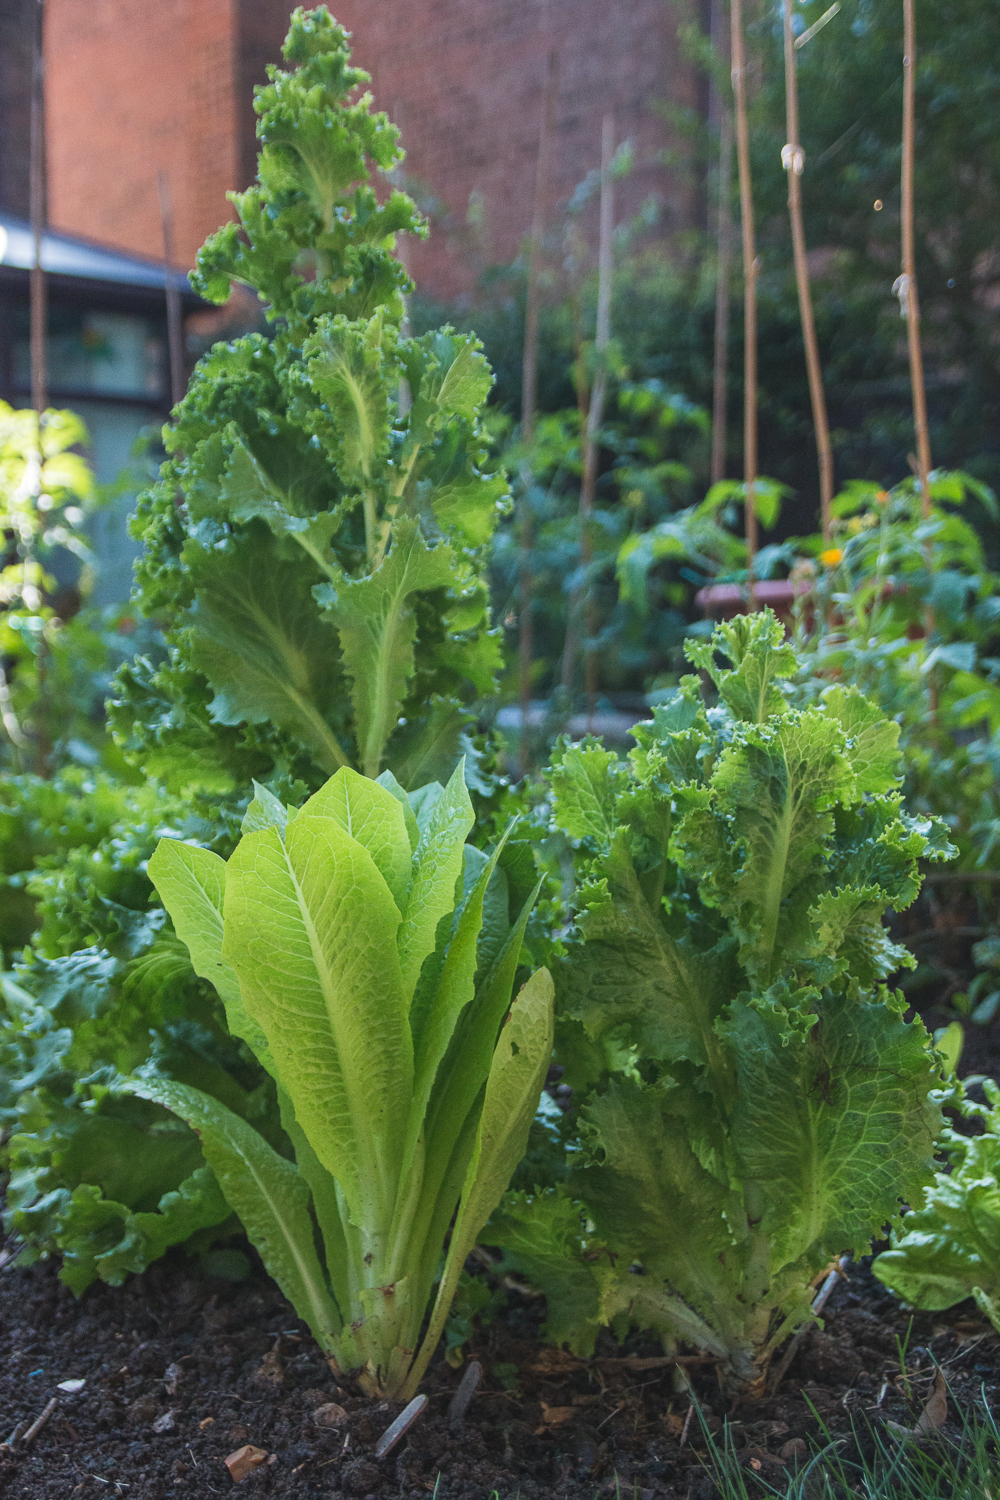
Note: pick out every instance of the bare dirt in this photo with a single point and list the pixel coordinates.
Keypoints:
(182, 1370)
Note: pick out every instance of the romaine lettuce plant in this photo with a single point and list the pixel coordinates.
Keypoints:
(752, 1101)
(366, 955)
(950, 1248)
(317, 539)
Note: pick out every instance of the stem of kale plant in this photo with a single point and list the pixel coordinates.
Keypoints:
(529, 394)
(793, 160)
(739, 73)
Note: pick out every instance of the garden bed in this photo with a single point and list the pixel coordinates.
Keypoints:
(182, 1369)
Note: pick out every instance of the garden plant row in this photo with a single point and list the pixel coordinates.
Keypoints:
(311, 976)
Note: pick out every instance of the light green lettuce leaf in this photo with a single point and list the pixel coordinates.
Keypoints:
(310, 926)
(267, 1192)
(375, 621)
(266, 650)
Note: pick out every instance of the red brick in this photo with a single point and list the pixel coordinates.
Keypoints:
(133, 86)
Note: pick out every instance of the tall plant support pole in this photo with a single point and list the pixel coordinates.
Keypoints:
(723, 261)
(749, 287)
(39, 379)
(793, 160)
(590, 430)
(38, 321)
(723, 274)
(910, 260)
(175, 346)
(529, 398)
(595, 415)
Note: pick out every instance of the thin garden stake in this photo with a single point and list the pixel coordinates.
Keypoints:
(595, 415)
(38, 328)
(723, 273)
(907, 287)
(39, 378)
(793, 160)
(175, 345)
(529, 396)
(749, 288)
(909, 276)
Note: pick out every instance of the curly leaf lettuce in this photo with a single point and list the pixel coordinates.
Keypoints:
(749, 1101)
(950, 1248)
(317, 540)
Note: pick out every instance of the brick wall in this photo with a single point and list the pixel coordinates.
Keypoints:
(132, 87)
(464, 80)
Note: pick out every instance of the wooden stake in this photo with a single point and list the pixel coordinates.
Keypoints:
(174, 340)
(37, 193)
(749, 288)
(723, 263)
(909, 258)
(529, 399)
(598, 392)
(590, 430)
(722, 279)
(793, 160)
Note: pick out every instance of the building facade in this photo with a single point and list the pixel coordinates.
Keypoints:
(134, 89)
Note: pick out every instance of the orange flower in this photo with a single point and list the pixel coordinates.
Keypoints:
(831, 557)
(881, 497)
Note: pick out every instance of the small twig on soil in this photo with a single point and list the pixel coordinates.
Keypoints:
(819, 1302)
(655, 1362)
(459, 1403)
(402, 1424)
(687, 1424)
(15, 1436)
(8, 1257)
(40, 1421)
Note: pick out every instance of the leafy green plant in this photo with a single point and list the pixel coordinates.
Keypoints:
(367, 956)
(316, 542)
(46, 493)
(103, 1179)
(752, 1102)
(950, 1248)
(314, 550)
(907, 609)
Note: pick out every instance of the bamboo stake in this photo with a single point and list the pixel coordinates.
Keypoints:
(723, 258)
(909, 291)
(39, 378)
(529, 397)
(175, 345)
(909, 258)
(590, 430)
(598, 392)
(749, 288)
(38, 330)
(722, 280)
(793, 160)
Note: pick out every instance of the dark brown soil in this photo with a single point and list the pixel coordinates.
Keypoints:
(215, 1365)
